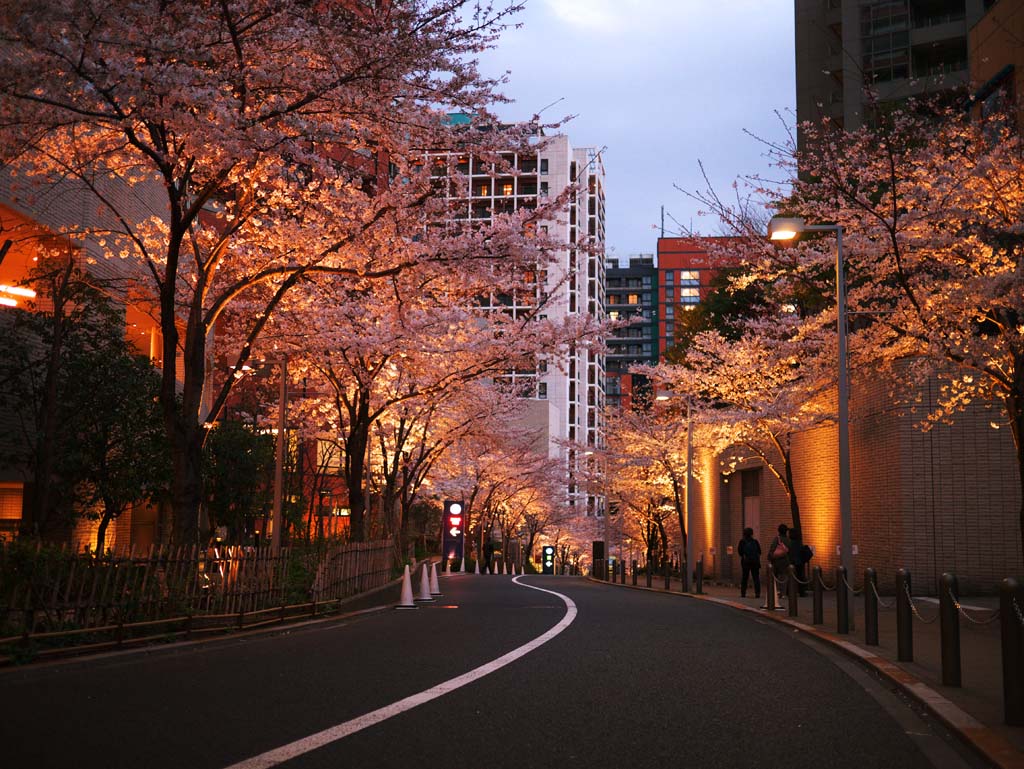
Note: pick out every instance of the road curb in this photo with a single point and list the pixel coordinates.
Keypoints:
(984, 741)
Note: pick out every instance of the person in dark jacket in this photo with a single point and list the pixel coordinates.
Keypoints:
(749, 550)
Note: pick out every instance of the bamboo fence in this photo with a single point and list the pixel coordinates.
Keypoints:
(58, 602)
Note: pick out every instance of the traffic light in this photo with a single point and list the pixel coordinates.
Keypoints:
(548, 559)
(454, 528)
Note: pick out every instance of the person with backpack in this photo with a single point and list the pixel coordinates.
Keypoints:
(749, 550)
(779, 551)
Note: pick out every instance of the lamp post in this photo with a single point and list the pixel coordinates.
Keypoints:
(788, 228)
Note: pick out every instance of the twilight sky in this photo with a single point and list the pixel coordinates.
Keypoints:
(664, 84)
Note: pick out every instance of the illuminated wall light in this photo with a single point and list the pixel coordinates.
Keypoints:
(6, 302)
(17, 291)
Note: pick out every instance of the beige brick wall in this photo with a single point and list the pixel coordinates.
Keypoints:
(942, 500)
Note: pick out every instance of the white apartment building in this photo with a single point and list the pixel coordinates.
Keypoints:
(568, 398)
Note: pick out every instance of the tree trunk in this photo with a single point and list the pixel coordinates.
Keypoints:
(1014, 410)
(794, 505)
(355, 466)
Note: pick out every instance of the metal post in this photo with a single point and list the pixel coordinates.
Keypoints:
(1011, 621)
(904, 618)
(949, 631)
(700, 576)
(688, 556)
(842, 602)
(634, 573)
(282, 407)
(818, 596)
(845, 515)
(769, 589)
(792, 591)
(623, 572)
(668, 574)
(647, 573)
(870, 607)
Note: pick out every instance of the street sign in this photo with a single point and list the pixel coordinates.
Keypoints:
(453, 533)
(548, 559)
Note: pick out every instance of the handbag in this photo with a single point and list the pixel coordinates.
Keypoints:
(780, 550)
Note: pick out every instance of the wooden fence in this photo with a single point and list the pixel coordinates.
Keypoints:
(52, 600)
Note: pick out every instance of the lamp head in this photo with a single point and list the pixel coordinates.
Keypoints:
(785, 227)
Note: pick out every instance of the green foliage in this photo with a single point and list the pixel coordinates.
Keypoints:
(89, 432)
(238, 475)
(725, 310)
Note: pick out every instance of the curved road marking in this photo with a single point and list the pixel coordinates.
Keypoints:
(318, 740)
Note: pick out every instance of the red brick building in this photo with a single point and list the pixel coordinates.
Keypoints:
(686, 267)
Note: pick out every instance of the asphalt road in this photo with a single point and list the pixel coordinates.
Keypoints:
(637, 679)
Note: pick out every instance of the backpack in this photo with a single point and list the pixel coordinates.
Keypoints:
(806, 554)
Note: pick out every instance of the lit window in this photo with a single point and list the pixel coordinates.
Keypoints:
(484, 190)
(633, 299)
(689, 295)
(506, 188)
(689, 277)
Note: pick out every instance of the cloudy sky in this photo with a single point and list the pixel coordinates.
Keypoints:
(663, 84)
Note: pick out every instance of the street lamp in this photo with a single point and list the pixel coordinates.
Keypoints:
(788, 228)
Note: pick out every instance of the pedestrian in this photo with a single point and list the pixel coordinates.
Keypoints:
(749, 550)
(779, 550)
(488, 555)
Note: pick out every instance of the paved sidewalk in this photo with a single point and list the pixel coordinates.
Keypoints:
(981, 695)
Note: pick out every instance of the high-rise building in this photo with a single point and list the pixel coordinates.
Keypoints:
(631, 296)
(570, 392)
(898, 48)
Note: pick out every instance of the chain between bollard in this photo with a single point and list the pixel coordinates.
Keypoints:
(881, 602)
(913, 608)
(851, 588)
(824, 584)
(963, 613)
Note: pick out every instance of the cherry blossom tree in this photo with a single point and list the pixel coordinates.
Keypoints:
(229, 151)
(930, 200)
(761, 389)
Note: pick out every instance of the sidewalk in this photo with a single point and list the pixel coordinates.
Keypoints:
(981, 695)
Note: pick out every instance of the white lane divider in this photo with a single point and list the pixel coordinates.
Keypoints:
(334, 733)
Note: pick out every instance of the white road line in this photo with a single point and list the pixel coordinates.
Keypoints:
(318, 740)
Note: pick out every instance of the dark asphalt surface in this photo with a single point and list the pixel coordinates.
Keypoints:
(638, 680)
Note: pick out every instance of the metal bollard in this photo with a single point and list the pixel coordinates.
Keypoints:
(700, 576)
(819, 597)
(634, 573)
(842, 602)
(647, 573)
(1011, 624)
(792, 591)
(769, 589)
(668, 575)
(904, 618)
(949, 631)
(870, 607)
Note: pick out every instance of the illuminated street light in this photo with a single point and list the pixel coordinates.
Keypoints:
(788, 228)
